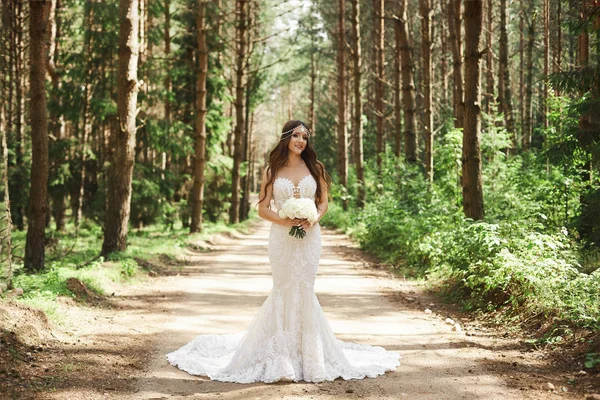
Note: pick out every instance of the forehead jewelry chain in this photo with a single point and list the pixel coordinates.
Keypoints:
(300, 129)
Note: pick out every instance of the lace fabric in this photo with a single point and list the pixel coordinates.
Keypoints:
(290, 337)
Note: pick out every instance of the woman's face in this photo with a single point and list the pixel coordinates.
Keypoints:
(298, 140)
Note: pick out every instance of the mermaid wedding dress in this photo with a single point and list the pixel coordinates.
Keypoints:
(290, 337)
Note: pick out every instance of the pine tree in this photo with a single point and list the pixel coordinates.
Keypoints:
(118, 205)
(200, 140)
(38, 202)
(471, 157)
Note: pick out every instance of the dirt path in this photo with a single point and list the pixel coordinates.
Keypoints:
(123, 350)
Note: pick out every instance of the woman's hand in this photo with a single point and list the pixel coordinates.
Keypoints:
(300, 222)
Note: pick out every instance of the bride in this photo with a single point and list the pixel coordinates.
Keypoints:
(290, 337)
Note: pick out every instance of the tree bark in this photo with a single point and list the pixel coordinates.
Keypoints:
(121, 168)
(19, 200)
(87, 118)
(504, 88)
(398, 125)
(489, 96)
(454, 27)
(5, 215)
(471, 157)
(358, 107)
(546, 16)
(443, 51)
(252, 34)
(558, 55)
(238, 135)
(556, 37)
(342, 135)
(168, 82)
(528, 118)
(425, 8)
(58, 191)
(408, 86)
(521, 74)
(312, 117)
(38, 205)
(200, 142)
(583, 57)
(379, 38)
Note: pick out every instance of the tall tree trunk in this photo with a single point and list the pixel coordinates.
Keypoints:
(245, 198)
(252, 18)
(118, 204)
(546, 16)
(87, 118)
(58, 191)
(142, 144)
(408, 86)
(454, 27)
(19, 200)
(558, 58)
(379, 38)
(312, 121)
(528, 120)
(200, 142)
(489, 96)
(36, 224)
(312, 117)
(358, 107)
(245, 201)
(471, 157)
(443, 51)
(6, 63)
(398, 125)
(504, 88)
(586, 129)
(168, 82)
(342, 135)
(556, 37)
(143, 10)
(583, 57)
(241, 26)
(425, 8)
(5, 216)
(521, 73)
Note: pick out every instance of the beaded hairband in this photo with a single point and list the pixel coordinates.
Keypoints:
(301, 128)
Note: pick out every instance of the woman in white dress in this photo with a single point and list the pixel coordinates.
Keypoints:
(290, 337)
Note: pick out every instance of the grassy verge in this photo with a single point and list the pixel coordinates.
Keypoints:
(482, 265)
(72, 254)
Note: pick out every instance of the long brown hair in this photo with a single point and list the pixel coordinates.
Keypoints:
(279, 156)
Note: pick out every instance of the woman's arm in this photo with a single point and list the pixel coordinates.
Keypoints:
(264, 206)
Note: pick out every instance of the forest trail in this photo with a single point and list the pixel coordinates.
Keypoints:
(221, 290)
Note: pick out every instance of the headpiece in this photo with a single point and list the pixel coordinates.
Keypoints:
(301, 128)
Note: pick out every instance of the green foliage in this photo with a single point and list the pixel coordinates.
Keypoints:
(129, 267)
(151, 196)
(75, 256)
(336, 217)
(52, 282)
(218, 187)
(526, 256)
(591, 360)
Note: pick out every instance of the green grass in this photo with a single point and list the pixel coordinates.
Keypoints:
(72, 255)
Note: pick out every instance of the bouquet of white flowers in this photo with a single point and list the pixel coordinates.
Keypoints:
(299, 208)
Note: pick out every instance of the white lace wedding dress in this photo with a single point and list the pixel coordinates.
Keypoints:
(290, 337)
